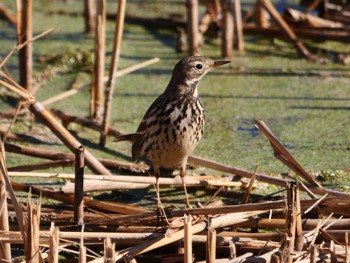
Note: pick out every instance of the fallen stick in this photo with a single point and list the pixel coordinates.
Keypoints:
(176, 181)
(42, 166)
(52, 155)
(69, 199)
(38, 109)
(105, 185)
(195, 160)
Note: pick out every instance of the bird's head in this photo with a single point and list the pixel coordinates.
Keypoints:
(189, 70)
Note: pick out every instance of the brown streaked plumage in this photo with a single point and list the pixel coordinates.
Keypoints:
(174, 123)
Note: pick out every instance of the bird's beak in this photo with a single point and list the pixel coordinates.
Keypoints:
(219, 63)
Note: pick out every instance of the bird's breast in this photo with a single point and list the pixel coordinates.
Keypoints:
(174, 132)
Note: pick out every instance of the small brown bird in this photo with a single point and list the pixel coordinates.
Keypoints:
(174, 123)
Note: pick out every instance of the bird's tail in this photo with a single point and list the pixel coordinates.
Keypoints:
(127, 137)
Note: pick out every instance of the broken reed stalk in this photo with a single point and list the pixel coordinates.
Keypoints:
(25, 32)
(188, 239)
(97, 89)
(285, 28)
(192, 27)
(282, 153)
(5, 248)
(250, 187)
(299, 224)
(118, 35)
(18, 209)
(227, 30)
(109, 250)
(211, 244)
(54, 244)
(32, 228)
(290, 218)
(89, 16)
(82, 249)
(79, 186)
(239, 43)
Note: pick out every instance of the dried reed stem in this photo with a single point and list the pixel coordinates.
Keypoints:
(118, 35)
(282, 153)
(109, 250)
(54, 244)
(290, 217)
(31, 247)
(79, 186)
(41, 166)
(188, 239)
(5, 248)
(25, 32)
(238, 25)
(299, 242)
(89, 16)
(227, 30)
(211, 244)
(192, 27)
(9, 188)
(97, 90)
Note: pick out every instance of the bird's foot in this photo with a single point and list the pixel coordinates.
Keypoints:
(162, 219)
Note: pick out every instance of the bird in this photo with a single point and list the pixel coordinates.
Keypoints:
(173, 125)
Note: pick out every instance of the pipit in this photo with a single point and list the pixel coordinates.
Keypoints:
(174, 123)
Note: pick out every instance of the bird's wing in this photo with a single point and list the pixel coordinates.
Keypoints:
(142, 130)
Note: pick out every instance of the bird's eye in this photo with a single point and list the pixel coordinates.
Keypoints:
(199, 66)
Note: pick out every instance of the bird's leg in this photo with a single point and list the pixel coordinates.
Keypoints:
(183, 174)
(160, 209)
(159, 204)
